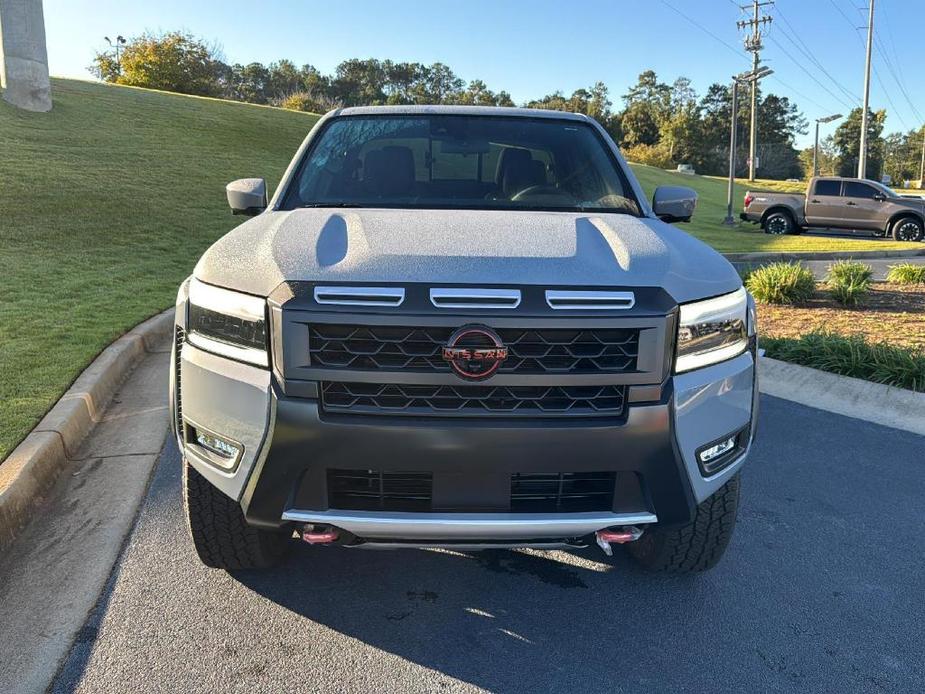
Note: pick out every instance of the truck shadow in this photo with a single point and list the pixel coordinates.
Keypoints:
(501, 620)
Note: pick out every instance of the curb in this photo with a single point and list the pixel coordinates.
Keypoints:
(871, 402)
(822, 255)
(31, 469)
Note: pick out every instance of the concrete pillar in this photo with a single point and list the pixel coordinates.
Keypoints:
(23, 56)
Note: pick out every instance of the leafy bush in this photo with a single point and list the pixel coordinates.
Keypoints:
(781, 283)
(906, 273)
(879, 362)
(651, 155)
(849, 281)
(307, 101)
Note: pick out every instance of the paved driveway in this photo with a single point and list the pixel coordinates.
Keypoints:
(822, 589)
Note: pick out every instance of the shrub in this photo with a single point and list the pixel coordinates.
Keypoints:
(651, 155)
(307, 101)
(849, 281)
(906, 273)
(781, 283)
(853, 356)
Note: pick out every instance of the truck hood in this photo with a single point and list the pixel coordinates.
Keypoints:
(487, 248)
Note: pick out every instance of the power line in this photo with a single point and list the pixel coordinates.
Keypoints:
(799, 94)
(802, 46)
(809, 74)
(891, 68)
(703, 29)
(855, 30)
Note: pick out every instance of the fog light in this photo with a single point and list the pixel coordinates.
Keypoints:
(715, 451)
(217, 450)
(717, 455)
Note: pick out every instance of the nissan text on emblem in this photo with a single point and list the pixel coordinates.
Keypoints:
(475, 352)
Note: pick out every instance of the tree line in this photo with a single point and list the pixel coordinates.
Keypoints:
(661, 124)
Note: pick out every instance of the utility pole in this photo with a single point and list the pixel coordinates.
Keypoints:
(862, 156)
(753, 45)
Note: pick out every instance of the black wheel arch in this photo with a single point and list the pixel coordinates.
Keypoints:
(779, 208)
(902, 215)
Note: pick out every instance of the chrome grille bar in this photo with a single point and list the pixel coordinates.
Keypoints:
(452, 297)
(360, 296)
(589, 300)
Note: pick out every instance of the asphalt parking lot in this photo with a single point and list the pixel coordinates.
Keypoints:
(822, 589)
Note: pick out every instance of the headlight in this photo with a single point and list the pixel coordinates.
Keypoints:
(227, 323)
(712, 331)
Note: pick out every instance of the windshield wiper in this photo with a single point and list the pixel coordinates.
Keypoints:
(333, 204)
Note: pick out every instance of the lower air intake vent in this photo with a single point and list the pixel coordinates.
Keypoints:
(377, 490)
(562, 492)
(473, 401)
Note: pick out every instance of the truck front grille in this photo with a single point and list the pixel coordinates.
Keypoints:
(562, 492)
(377, 490)
(533, 351)
(453, 400)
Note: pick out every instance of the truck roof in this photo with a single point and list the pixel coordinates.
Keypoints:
(506, 111)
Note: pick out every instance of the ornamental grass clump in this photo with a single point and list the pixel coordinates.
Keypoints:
(849, 281)
(854, 356)
(781, 283)
(906, 273)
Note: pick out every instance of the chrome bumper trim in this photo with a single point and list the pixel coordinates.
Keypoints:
(467, 526)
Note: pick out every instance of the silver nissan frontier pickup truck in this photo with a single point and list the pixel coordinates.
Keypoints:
(462, 327)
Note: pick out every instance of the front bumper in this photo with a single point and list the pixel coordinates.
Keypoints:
(289, 444)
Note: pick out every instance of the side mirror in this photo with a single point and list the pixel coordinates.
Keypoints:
(247, 196)
(879, 197)
(674, 203)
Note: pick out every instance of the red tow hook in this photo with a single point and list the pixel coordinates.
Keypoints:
(620, 536)
(322, 536)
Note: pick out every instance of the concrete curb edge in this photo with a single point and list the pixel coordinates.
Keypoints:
(745, 258)
(871, 402)
(31, 469)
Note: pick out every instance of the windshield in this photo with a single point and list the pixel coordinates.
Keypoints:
(460, 162)
(889, 192)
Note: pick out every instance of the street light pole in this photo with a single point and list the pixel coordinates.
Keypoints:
(730, 220)
(827, 119)
(816, 152)
(752, 77)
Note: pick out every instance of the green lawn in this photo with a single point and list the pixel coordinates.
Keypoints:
(107, 201)
(745, 237)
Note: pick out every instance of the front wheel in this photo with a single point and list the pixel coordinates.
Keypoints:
(694, 547)
(220, 533)
(908, 229)
(779, 223)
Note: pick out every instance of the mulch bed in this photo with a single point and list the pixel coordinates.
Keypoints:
(891, 313)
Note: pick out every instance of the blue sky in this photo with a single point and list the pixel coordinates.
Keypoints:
(533, 48)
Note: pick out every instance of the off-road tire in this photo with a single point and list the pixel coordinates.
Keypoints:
(694, 547)
(779, 224)
(900, 229)
(221, 536)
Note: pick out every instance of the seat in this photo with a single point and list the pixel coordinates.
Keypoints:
(517, 171)
(389, 172)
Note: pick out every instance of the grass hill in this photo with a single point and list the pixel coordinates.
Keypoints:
(107, 201)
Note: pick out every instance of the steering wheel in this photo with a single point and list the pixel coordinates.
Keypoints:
(540, 189)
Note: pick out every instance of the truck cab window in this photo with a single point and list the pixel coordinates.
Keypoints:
(827, 188)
